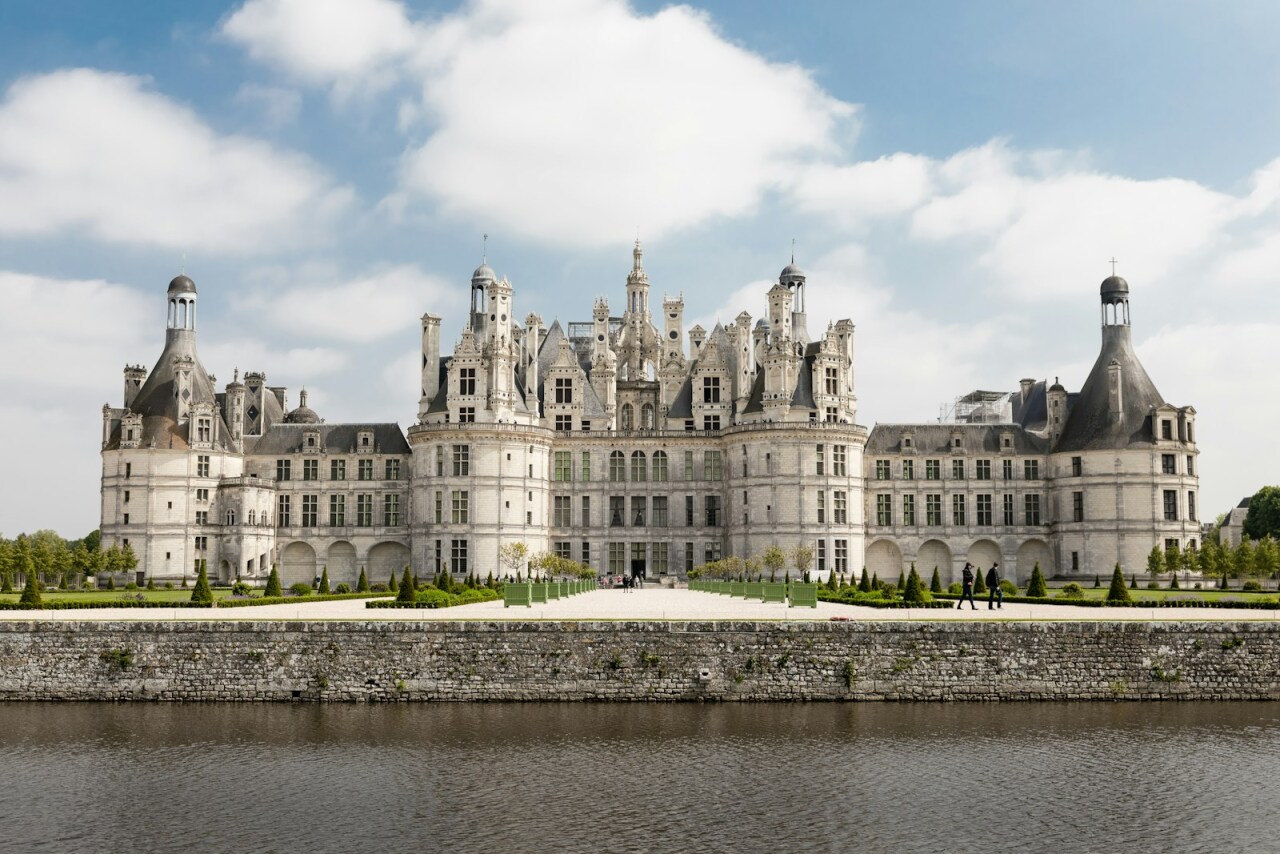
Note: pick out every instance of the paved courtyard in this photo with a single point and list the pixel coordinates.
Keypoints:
(648, 604)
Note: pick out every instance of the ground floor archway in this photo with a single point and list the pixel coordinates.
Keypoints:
(935, 554)
(297, 563)
(1029, 554)
(341, 563)
(386, 559)
(884, 559)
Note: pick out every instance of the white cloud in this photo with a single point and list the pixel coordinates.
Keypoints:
(278, 107)
(341, 42)
(861, 192)
(287, 366)
(99, 152)
(365, 308)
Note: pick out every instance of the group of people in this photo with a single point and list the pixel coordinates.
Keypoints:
(995, 596)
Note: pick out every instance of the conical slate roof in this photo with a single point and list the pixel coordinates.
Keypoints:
(1090, 423)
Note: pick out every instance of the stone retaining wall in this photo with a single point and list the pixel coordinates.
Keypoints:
(388, 661)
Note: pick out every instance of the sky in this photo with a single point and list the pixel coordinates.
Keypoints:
(956, 179)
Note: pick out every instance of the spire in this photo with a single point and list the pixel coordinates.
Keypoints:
(637, 255)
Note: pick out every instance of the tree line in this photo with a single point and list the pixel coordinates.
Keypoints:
(58, 561)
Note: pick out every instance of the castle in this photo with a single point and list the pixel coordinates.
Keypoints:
(614, 443)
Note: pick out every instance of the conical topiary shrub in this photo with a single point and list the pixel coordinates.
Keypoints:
(979, 586)
(31, 592)
(1097, 581)
(902, 581)
(362, 584)
(393, 585)
(1118, 592)
(201, 593)
(1036, 588)
(864, 584)
(913, 591)
(324, 582)
(407, 593)
(935, 583)
(273, 583)
(1173, 582)
(6, 582)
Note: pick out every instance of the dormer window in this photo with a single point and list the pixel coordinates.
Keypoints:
(364, 441)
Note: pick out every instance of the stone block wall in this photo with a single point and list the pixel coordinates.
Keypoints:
(635, 661)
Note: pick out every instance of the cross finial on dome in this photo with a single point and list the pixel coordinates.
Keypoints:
(484, 251)
(1113, 265)
(793, 250)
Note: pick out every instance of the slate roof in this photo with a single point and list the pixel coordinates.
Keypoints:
(936, 438)
(1090, 425)
(335, 438)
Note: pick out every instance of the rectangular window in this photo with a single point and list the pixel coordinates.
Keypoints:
(882, 469)
(563, 470)
(660, 466)
(839, 507)
(310, 511)
(310, 469)
(821, 458)
(466, 381)
(639, 508)
(617, 558)
(711, 422)
(933, 469)
(617, 467)
(660, 511)
(982, 469)
(842, 556)
(1008, 510)
(822, 507)
(1077, 506)
(831, 382)
(202, 517)
(366, 470)
(586, 466)
(1006, 469)
(284, 505)
(711, 551)
(564, 423)
(617, 508)
(202, 544)
(908, 469)
(822, 555)
(1191, 506)
(1170, 505)
(688, 511)
(391, 510)
(466, 415)
(282, 469)
(337, 469)
(639, 471)
(458, 557)
(957, 469)
(659, 558)
(337, 511)
(1168, 464)
(562, 549)
(586, 553)
(461, 514)
(688, 558)
(983, 510)
(439, 507)
(1077, 466)
(1166, 429)
(838, 456)
(562, 511)
(710, 389)
(1075, 561)
(586, 511)
(461, 460)
(1191, 466)
(711, 465)
(439, 460)
(364, 511)
(202, 466)
(564, 390)
(128, 469)
(957, 510)
(392, 470)
(933, 510)
(1031, 505)
(1031, 469)
(908, 509)
(884, 509)
(713, 510)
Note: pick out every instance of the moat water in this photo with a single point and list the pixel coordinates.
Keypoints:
(1166, 777)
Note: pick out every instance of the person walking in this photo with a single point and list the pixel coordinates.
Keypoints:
(995, 596)
(966, 579)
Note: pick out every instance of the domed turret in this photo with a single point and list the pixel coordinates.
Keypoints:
(484, 273)
(1114, 289)
(303, 414)
(181, 285)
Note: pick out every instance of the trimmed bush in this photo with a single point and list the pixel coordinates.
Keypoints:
(1173, 582)
(1251, 587)
(935, 583)
(30, 592)
(362, 585)
(1097, 581)
(302, 588)
(393, 585)
(1071, 591)
(273, 583)
(1036, 589)
(406, 593)
(201, 594)
(955, 588)
(1009, 588)
(378, 588)
(979, 586)
(324, 582)
(240, 588)
(344, 588)
(913, 591)
(902, 581)
(1118, 592)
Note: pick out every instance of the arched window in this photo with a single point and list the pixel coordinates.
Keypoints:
(646, 416)
(617, 466)
(253, 517)
(628, 417)
(660, 466)
(639, 471)
(231, 517)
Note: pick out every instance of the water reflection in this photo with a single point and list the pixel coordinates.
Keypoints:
(562, 777)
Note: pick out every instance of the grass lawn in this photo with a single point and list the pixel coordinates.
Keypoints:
(177, 595)
(1141, 592)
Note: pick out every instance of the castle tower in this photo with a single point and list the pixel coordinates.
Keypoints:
(134, 377)
(673, 333)
(481, 280)
(638, 284)
(235, 410)
(430, 363)
(793, 278)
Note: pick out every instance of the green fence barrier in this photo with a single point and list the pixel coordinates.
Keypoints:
(804, 595)
(517, 594)
(773, 591)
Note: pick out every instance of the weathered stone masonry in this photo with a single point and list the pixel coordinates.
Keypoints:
(637, 661)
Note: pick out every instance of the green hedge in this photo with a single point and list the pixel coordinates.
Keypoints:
(77, 606)
(1261, 605)
(293, 600)
(432, 598)
(868, 600)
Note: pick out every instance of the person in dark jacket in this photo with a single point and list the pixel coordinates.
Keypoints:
(995, 596)
(966, 579)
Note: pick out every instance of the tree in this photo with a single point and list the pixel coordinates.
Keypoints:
(324, 581)
(1242, 564)
(1266, 558)
(362, 585)
(864, 583)
(513, 556)
(201, 593)
(1118, 592)
(1037, 586)
(31, 592)
(407, 593)
(392, 584)
(773, 559)
(1155, 562)
(902, 580)
(273, 583)
(935, 583)
(979, 585)
(913, 591)
(802, 557)
(1263, 518)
